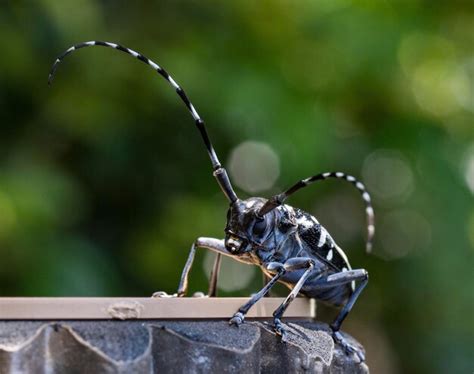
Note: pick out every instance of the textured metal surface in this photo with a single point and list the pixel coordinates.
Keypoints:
(169, 347)
(32, 308)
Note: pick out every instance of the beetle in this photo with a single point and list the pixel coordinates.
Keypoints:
(288, 244)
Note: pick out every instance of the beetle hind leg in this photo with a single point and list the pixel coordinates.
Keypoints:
(336, 280)
(347, 347)
(336, 325)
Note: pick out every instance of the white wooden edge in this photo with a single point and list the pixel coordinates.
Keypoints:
(59, 308)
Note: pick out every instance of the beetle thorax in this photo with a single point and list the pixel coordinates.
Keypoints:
(245, 230)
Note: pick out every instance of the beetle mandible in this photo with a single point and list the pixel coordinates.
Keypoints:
(288, 244)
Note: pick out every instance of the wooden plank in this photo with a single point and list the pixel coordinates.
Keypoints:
(63, 308)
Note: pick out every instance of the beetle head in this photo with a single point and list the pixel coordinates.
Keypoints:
(245, 229)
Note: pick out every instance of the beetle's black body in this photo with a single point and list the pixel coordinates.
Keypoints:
(289, 233)
(288, 244)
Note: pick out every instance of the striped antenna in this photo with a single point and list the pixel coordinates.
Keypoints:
(219, 172)
(279, 199)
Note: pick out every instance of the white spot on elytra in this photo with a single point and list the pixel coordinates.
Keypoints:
(329, 255)
(322, 237)
(304, 221)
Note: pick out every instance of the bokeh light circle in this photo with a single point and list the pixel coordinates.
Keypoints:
(233, 275)
(404, 232)
(254, 166)
(388, 175)
(469, 168)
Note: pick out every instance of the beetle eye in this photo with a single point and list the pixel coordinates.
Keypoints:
(259, 226)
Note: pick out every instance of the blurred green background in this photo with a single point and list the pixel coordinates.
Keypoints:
(105, 182)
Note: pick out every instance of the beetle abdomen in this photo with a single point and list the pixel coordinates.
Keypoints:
(335, 296)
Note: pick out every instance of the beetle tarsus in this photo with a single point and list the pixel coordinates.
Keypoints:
(279, 328)
(348, 348)
(237, 319)
(162, 295)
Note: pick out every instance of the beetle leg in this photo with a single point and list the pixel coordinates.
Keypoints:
(338, 279)
(292, 264)
(238, 318)
(212, 291)
(265, 280)
(280, 269)
(341, 278)
(336, 325)
(216, 245)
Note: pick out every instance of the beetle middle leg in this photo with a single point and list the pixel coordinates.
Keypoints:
(238, 318)
(280, 269)
(293, 264)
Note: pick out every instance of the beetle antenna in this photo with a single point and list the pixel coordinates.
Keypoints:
(219, 172)
(279, 199)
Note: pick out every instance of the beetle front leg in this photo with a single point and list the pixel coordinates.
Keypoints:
(215, 245)
(212, 291)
